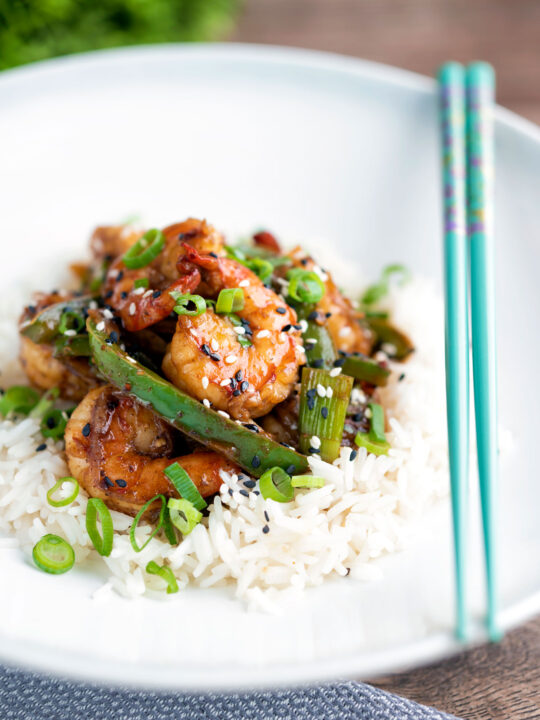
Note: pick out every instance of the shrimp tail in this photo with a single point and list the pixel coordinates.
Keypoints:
(207, 262)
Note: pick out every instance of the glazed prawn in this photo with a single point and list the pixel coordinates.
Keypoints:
(117, 449)
(206, 359)
(139, 307)
(337, 312)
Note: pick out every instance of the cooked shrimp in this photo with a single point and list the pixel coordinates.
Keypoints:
(336, 310)
(113, 240)
(206, 359)
(72, 376)
(118, 449)
(140, 308)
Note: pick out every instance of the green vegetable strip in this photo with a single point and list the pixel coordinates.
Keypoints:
(323, 417)
(45, 327)
(388, 334)
(377, 422)
(165, 573)
(363, 368)
(77, 346)
(372, 446)
(104, 542)
(255, 452)
(321, 353)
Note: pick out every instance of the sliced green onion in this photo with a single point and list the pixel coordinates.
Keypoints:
(145, 250)
(53, 424)
(364, 440)
(184, 515)
(95, 509)
(139, 515)
(275, 484)
(46, 403)
(184, 485)
(141, 283)
(168, 528)
(323, 405)
(376, 292)
(19, 399)
(165, 573)
(305, 286)
(307, 481)
(71, 322)
(230, 300)
(243, 339)
(364, 368)
(377, 422)
(57, 486)
(53, 554)
(262, 268)
(186, 304)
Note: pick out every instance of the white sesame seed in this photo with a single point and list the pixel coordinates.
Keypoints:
(223, 414)
(345, 330)
(70, 333)
(381, 356)
(358, 396)
(139, 291)
(262, 334)
(389, 349)
(244, 283)
(303, 326)
(214, 344)
(321, 392)
(147, 293)
(108, 314)
(225, 382)
(132, 309)
(114, 273)
(367, 412)
(230, 359)
(205, 382)
(329, 392)
(93, 305)
(206, 402)
(100, 326)
(131, 360)
(320, 272)
(335, 372)
(239, 330)
(315, 442)
(311, 341)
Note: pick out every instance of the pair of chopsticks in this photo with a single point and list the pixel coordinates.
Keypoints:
(466, 99)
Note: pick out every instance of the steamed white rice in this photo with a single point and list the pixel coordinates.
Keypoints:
(368, 507)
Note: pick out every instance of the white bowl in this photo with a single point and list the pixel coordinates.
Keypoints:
(312, 146)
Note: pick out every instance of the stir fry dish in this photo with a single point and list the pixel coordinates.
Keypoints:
(179, 358)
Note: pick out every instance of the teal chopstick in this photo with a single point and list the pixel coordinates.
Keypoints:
(480, 82)
(452, 113)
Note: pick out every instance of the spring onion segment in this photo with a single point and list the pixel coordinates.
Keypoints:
(46, 403)
(184, 515)
(145, 250)
(230, 300)
(305, 286)
(375, 440)
(139, 515)
(307, 481)
(319, 346)
(95, 509)
(64, 501)
(320, 390)
(71, 321)
(253, 451)
(141, 283)
(165, 573)
(53, 424)
(192, 305)
(185, 486)
(19, 399)
(275, 484)
(377, 292)
(53, 554)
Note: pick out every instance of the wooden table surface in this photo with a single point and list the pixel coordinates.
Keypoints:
(493, 682)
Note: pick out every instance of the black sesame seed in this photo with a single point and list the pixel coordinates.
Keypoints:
(281, 310)
(244, 493)
(237, 392)
(244, 386)
(123, 295)
(340, 362)
(108, 482)
(230, 492)
(401, 377)
(121, 483)
(328, 314)
(314, 450)
(108, 294)
(86, 430)
(41, 447)
(285, 444)
(311, 393)
(156, 294)
(213, 254)
(215, 356)
(120, 276)
(324, 412)
(304, 261)
(51, 423)
(114, 336)
(256, 461)
(297, 327)
(239, 375)
(206, 349)
(250, 484)
(353, 454)
(234, 383)
(266, 529)
(256, 492)
(266, 516)
(253, 428)
(311, 403)
(318, 363)
(290, 470)
(313, 315)
(358, 417)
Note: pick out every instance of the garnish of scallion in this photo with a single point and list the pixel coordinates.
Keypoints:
(165, 573)
(323, 405)
(307, 481)
(192, 305)
(305, 286)
(275, 484)
(230, 300)
(184, 515)
(19, 399)
(64, 501)
(138, 517)
(374, 293)
(375, 440)
(145, 250)
(53, 554)
(96, 509)
(184, 485)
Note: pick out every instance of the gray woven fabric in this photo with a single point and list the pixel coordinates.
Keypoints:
(29, 696)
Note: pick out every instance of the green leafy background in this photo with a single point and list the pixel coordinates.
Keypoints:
(37, 29)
